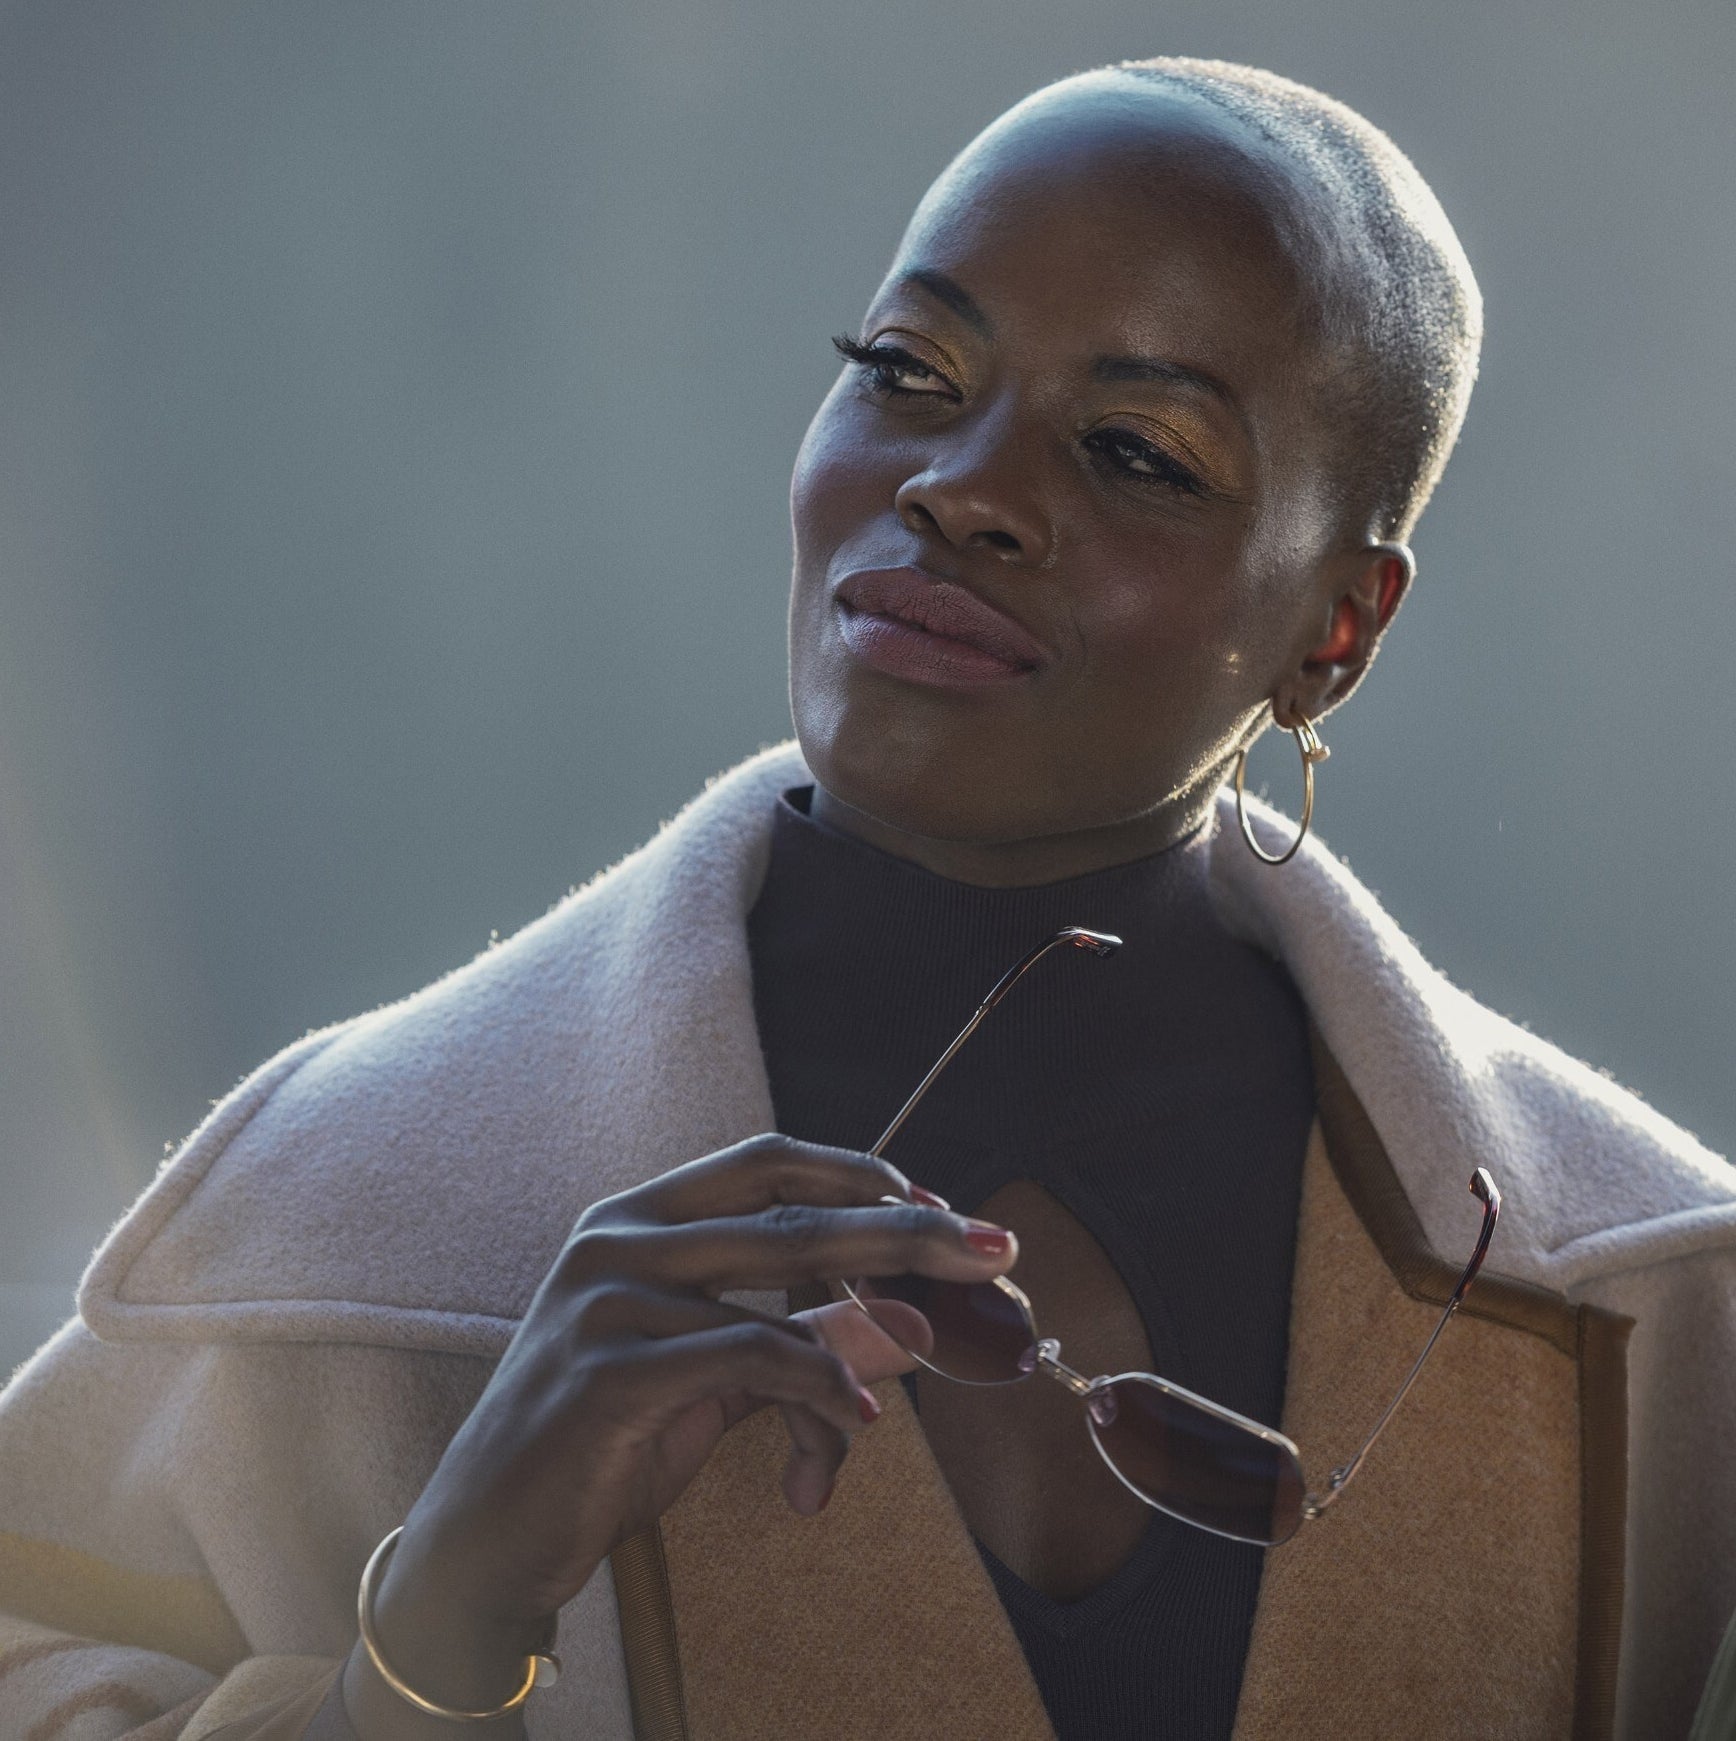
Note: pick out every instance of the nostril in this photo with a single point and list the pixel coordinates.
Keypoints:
(959, 511)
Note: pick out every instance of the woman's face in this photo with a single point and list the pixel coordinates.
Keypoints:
(1064, 526)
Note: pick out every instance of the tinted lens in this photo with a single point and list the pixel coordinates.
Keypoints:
(982, 1331)
(1195, 1465)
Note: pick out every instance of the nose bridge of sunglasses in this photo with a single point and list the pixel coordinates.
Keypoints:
(1049, 1361)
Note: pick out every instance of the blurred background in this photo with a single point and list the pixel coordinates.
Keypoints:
(396, 411)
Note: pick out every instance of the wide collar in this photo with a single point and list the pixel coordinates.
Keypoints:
(407, 1177)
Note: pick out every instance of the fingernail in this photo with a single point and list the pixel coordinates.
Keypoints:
(927, 1198)
(985, 1237)
(866, 1406)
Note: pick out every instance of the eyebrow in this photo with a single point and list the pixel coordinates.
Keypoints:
(1161, 369)
(953, 295)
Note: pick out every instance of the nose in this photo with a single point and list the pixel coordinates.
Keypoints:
(976, 495)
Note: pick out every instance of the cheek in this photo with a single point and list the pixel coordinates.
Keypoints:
(809, 468)
(1182, 646)
(1184, 619)
(832, 495)
(834, 486)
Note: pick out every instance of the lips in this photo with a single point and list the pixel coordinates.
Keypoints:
(912, 624)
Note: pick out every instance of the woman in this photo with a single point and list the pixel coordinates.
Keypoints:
(1119, 470)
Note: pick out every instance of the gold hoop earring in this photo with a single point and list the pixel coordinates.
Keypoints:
(1313, 750)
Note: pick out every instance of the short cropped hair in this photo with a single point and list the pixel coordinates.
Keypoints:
(1403, 310)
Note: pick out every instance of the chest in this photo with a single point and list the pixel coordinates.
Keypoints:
(1018, 1458)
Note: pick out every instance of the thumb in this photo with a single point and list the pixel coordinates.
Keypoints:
(873, 1348)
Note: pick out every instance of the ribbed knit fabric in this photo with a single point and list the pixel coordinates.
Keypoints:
(1163, 1095)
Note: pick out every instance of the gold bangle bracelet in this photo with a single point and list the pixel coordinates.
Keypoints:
(541, 1669)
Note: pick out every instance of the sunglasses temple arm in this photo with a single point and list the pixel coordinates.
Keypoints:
(1097, 942)
(1483, 1187)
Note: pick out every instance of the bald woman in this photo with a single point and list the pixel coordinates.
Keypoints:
(600, 1304)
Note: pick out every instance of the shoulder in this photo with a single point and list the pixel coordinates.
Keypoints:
(411, 1173)
(1595, 1180)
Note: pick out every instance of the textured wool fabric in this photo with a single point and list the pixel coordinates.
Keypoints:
(1437, 1600)
(281, 1335)
(218, 1503)
(873, 1619)
(268, 1698)
(1716, 1718)
(1471, 1495)
(1163, 1096)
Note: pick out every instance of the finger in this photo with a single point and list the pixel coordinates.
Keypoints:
(627, 1307)
(744, 1366)
(766, 1171)
(797, 1242)
(817, 1452)
(864, 1346)
(633, 1310)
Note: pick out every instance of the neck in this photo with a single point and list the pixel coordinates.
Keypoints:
(1012, 864)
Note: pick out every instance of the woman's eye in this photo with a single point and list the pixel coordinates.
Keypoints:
(892, 369)
(1138, 458)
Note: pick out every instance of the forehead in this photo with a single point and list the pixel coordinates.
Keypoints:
(1111, 213)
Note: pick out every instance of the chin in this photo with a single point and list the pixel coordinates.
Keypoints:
(939, 785)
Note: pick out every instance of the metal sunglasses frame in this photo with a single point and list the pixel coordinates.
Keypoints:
(1048, 1351)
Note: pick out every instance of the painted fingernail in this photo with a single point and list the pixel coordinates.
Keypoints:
(985, 1237)
(866, 1406)
(927, 1198)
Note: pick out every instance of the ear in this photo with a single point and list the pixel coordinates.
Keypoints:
(1364, 592)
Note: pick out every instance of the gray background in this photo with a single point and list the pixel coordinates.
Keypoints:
(396, 408)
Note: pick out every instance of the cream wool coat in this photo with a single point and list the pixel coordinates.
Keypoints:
(276, 1342)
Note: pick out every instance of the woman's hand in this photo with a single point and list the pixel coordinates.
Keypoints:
(628, 1369)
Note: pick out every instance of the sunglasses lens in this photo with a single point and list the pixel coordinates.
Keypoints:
(975, 1332)
(1196, 1466)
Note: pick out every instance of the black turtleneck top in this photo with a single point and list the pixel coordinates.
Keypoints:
(1162, 1095)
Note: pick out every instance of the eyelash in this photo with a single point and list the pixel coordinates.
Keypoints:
(884, 363)
(1165, 472)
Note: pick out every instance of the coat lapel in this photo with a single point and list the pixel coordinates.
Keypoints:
(1469, 1583)
(874, 1619)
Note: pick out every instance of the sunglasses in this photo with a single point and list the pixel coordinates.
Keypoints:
(1181, 1453)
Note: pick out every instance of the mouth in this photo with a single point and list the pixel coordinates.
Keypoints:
(911, 624)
